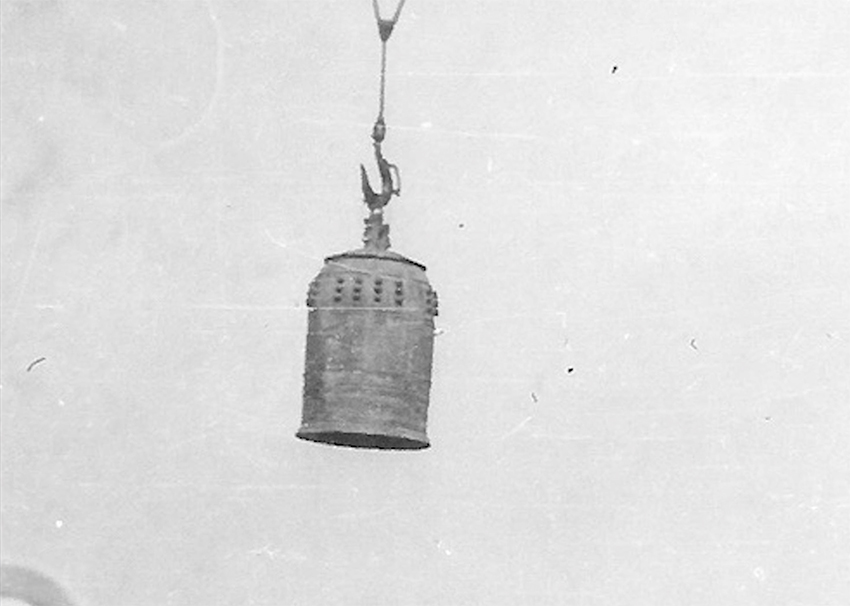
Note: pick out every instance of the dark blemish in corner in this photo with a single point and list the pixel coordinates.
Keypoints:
(34, 362)
(694, 345)
(461, 225)
(570, 370)
(534, 396)
(614, 70)
(27, 586)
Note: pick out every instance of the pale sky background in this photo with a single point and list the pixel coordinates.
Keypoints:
(675, 231)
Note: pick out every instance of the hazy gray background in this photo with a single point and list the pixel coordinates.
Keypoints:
(675, 231)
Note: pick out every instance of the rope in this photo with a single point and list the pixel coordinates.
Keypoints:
(382, 95)
(385, 29)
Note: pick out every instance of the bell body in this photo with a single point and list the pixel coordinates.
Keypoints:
(370, 342)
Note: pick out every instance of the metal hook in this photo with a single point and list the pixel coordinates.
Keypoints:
(390, 180)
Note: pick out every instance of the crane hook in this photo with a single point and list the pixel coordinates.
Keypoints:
(390, 176)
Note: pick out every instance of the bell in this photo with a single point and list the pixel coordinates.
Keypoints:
(370, 327)
(370, 342)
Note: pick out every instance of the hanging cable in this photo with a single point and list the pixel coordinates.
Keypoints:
(385, 30)
(390, 177)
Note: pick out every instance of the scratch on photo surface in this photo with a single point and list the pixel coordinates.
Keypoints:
(548, 75)
(270, 487)
(359, 515)
(51, 306)
(274, 553)
(240, 416)
(422, 128)
(238, 307)
(27, 271)
(561, 438)
(287, 246)
(516, 429)
(502, 318)
(742, 76)
(473, 134)
(255, 460)
(219, 81)
(35, 362)
(784, 353)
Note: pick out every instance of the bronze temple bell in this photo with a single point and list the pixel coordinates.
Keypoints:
(370, 335)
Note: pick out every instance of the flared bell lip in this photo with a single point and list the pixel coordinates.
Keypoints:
(367, 440)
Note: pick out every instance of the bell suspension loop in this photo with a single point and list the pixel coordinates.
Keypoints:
(376, 235)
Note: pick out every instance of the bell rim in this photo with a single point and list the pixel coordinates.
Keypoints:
(362, 440)
(363, 253)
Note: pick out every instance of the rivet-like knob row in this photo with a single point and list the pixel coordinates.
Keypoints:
(360, 292)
